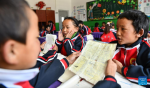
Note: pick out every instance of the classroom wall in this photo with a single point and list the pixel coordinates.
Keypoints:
(142, 4)
(54, 4)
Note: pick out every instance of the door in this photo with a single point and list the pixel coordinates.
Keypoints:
(50, 16)
(62, 15)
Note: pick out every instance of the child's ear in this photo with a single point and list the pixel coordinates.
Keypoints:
(9, 52)
(141, 32)
(77, 28)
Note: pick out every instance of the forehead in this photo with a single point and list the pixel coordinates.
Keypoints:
(32, 16)
(124, 22)
(67, 22)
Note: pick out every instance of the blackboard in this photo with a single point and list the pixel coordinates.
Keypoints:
(108, 9)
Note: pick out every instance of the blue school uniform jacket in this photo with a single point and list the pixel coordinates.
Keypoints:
(68, 46)
(50, 70)
(135, 59)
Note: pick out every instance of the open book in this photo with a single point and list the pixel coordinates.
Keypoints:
(50, 41)
(92, 62)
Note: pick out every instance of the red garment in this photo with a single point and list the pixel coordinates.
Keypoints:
(96, 29)
(108, 37)
(89, 30)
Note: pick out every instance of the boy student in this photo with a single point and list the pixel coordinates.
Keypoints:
(47, 31)
(133, 53)
(19, 48)
(103, 25)
(97, 28)
(52, 27)
(85, 30)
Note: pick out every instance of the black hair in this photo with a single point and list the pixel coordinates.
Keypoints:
(50, 21)
(107, 29)
(75, 22)
(80, 22)
(112, 24)
(47, 26)
(103, 22)
(139, 20)
(14, 22)
(96, 24)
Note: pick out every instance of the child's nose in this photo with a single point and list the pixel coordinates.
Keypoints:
(118, 32)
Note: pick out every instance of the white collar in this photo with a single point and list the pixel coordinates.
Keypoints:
(9, 77)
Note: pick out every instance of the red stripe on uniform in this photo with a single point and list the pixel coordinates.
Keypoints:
(110, 79)
(132, 78)
(42, 58)
(125, 71)
(81, 42)
(58, 41)
(64, 62)
(146, 42)
(25, 84)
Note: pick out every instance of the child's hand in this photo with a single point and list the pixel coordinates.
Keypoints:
(111, 68)
(71, 58)
(119, 65)
(42, 45)
(55, 47)
(70, 34)
(60, 36)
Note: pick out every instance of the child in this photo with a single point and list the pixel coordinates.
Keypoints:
(69, 40)
(19, 46)
(85, 30)
(47, 31)
(112, 27)
(108, 35)
(52, 27)
(103, 25)
(97, 29)
(42, 30)
(133, 53)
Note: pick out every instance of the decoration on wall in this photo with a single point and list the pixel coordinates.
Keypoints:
(148, 0)
(144, 1)
(147, 4)
(40, 4)
(109, 9)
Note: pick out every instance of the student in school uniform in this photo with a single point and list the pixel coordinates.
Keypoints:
(132, 55)
(108, 35)
(103, 25)
(112, 27)
(42, 29)
(69, 40)
(47, 31)
(20, 48)
(52, 27)
(85, 30)
(97, 28)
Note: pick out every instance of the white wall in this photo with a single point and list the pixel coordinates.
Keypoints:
(77, 4)
(54, 4)
(142, 5)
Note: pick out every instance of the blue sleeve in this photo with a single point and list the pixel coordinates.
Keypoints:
(108, 82)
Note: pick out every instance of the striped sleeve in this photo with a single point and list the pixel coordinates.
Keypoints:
(64, 63)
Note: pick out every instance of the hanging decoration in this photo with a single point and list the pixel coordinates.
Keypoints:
(144, 1)
(40, 4)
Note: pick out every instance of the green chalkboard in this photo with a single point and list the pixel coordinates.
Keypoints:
(108, 9)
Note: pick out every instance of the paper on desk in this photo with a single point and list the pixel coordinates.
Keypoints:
(92, 62)
(124, 83)
(50, 40)
(71, 82)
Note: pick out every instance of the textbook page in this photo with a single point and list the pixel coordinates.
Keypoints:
(92, 62)
(50, 40)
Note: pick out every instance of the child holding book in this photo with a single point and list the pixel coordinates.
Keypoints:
(133, 53)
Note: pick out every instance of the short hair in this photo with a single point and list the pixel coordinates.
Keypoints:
(50, 21)
(80, 22)
(14, 22)
(103, 22)
(96, 24)
(139, 20)
(47, 26)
